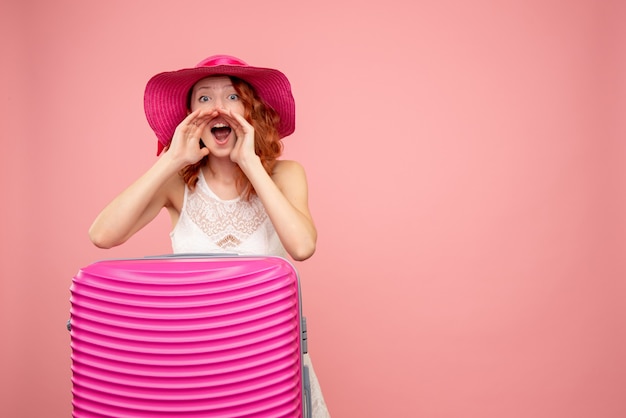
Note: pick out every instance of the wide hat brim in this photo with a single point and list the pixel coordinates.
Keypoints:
(165, 97)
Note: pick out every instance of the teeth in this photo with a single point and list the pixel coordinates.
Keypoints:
(220, 125)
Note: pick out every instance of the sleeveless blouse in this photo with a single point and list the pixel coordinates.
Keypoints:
(208, 224)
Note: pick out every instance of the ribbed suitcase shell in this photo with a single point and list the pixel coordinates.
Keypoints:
(187, 337)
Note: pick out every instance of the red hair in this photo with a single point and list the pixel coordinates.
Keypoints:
(267, 144)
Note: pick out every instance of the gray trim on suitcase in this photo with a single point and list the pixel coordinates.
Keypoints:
(306, 382)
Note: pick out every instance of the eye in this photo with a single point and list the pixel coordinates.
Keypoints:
(233, 96)
(203, 99)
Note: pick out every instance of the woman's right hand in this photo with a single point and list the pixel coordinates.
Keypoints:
(185, 147)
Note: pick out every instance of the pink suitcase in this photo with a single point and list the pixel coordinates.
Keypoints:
(188, 336)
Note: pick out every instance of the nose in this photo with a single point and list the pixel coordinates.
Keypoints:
(218, 103)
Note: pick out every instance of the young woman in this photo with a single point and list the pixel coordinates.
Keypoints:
(219, 127)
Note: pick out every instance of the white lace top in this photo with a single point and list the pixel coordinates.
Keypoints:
(208, 224)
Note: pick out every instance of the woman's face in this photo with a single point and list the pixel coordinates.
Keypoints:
(217, 92)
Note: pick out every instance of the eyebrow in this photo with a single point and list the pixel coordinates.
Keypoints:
(212, 88)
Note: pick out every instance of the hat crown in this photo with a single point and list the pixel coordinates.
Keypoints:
(216, 60)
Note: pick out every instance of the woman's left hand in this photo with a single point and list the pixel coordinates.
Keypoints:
(243, 153)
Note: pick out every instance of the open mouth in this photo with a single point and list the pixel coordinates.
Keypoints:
(221, 131)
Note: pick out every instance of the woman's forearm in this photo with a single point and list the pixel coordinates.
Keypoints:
(135, 207)
(287, 208)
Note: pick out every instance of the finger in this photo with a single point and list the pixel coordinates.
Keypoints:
(232, 117)
(198, 125)
(205, 116)
(242, 121)
(198, 119)
(237, 122)
(203, 148)
(191, 118)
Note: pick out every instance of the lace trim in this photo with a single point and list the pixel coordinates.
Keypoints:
(226, 223)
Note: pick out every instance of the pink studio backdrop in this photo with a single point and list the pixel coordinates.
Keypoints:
(466, 168)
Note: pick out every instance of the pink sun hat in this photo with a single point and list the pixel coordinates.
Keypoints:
(165, 97)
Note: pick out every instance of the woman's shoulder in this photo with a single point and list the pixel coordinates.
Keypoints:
(287, 167)
(287, 173)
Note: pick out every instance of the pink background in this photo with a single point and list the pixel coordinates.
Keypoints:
(466, 166)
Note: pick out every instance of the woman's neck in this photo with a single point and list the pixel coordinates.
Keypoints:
(222, 170)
